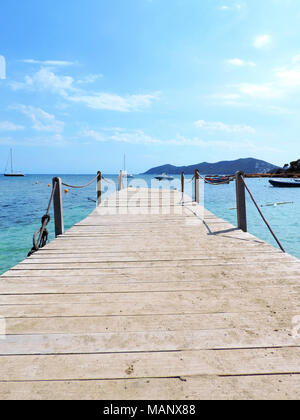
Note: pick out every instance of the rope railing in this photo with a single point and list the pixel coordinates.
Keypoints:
(56, 199)
(80, 186)
(241, 187)
(262, 215)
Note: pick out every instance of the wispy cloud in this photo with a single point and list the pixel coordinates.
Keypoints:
(262, 41)
(9, 126)
(54, 63)
(237, 62)
(225, 7)
(47, 80)
(90, 78)
(140, 137)
(42, 120)
(226, 128)
(113, 102)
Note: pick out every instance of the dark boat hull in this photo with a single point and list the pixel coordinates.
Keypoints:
(14, 175)
(282, 184)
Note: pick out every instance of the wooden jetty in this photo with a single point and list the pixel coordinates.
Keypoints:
(145, 300)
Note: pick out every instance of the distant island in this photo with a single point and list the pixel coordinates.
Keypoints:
(248, 166)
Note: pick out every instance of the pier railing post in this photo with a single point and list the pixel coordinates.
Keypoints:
(241, 202)
(197, 197)
(120, 181)
(182, 182)
(99, 188)
(58, 208)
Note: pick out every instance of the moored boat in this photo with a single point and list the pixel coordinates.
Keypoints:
(284, 184)
(12, 173)
(164, 177)
(217, 179)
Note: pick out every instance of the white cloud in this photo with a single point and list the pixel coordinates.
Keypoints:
(140, 137)
(219, 126)
(45, 79)
(121, 136)
(289, 77)
(91, 78)
(9, 126)
(50, 62)
(262, 41)
(233, 7)
(240, 63)
(42, 121)
(113, 102)
(262, 91)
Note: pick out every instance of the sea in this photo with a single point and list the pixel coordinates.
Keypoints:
(23, 202)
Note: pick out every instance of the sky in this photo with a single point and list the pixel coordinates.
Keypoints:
(83, 82)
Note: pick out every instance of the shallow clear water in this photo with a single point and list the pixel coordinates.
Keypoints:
(23, 201)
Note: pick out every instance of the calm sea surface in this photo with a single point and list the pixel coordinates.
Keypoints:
(23, 201)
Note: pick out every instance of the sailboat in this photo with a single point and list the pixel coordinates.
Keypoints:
(11, 168)
(125, 174)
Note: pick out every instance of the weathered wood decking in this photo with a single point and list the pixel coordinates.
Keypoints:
(151, 306)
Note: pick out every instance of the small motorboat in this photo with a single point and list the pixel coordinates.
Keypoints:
(284, 184)
(217, 179)
(164, 177)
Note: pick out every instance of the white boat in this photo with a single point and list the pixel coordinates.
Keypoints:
(124, 173)
(164, 177)
(12, 173)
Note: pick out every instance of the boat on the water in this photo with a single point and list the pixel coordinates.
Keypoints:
(217, 179)
(284, 184)
(164, 177)
(125, 174)
(12, 173)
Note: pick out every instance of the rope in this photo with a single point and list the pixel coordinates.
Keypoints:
(107, 180)
(261, 214)
(80, 186)
(42, 232)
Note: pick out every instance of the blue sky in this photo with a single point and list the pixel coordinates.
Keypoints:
(164, 81)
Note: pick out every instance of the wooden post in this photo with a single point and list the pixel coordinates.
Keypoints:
(241, 202)
(182, 182)
(197, 198)
(120, 181)
(99, 188)
(58, 208)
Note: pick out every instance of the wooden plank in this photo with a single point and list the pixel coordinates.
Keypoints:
(153, 365)
(73, 286)
(149, 341)
(274, 387)
(123, 323)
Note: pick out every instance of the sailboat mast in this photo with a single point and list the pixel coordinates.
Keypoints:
(11, 162)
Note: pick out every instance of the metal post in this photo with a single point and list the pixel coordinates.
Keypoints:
(182, 182)
(241, 202)
(120, 181)
(197, 198)
(58, 208)
(99, 188)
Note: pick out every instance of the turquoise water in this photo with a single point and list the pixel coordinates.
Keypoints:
(23, 201)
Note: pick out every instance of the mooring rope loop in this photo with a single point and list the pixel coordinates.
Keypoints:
(42, 231)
